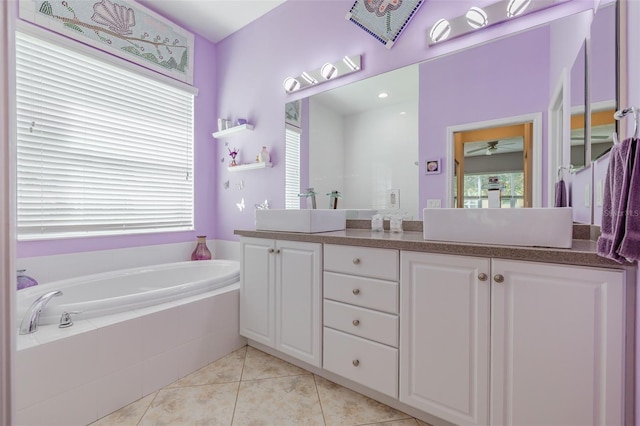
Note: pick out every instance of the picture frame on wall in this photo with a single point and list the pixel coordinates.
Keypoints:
(383, 19)
(293, 113)
(433, 167)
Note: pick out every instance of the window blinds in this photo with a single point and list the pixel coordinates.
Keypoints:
(292, 167)
(101, 150)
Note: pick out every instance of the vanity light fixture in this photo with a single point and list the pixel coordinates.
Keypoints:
(352, 66)
(440, 31)
(477, 18)
(517, 7)
(291, 84)
(329, 71)
(309, 79)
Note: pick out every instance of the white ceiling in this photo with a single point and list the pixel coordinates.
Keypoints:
(400, 84)
(212, 19)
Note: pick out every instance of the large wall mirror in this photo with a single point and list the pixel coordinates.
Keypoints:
(373, 150)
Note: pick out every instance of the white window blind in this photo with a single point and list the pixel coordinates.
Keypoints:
(101, 150)
(292, 167)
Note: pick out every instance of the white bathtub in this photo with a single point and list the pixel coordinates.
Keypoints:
(179, 318)
(128, 289)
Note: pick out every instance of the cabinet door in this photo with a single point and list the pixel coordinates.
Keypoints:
(257, 303)
(298, 300)
(557, 351)
(444, 336)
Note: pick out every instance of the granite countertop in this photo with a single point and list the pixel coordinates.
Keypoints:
(582, 252)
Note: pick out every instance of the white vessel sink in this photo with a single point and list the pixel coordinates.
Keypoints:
(540, 227)
(308, 221)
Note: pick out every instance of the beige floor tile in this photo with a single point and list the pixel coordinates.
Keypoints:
(342, 406)
(224, 370)
(259, 365)
(421, 423)
(127, 416)
(200, 405)
(278, 402)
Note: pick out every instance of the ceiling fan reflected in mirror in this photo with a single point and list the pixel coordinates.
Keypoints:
(493, 147)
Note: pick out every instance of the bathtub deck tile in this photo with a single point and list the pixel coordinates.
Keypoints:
(159, 371)
(51, 332)
(113, 319)
(119, 389)
(224, 370)
(195, 320)
(159, 332)
(119, 346)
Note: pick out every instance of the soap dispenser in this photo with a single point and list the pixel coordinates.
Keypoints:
(25, 281)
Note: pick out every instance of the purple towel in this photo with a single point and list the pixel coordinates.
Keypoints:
(630, 244)
(561, 194)
(615, 200)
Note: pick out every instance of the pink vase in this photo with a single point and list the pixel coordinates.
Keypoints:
(201, 251)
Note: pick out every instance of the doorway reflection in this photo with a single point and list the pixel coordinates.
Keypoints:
(493, 167)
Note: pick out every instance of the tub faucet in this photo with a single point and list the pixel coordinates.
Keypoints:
(32, 316)
(309, 192)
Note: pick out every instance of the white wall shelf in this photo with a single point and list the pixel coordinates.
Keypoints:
(232, 130)
(249, 166)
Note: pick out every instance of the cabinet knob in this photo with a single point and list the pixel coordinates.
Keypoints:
(482, 276)
(271, 250)
(278, 251)
(356, 261)
(356, 291)
(355, 363)
(498, 278)
(356, 322)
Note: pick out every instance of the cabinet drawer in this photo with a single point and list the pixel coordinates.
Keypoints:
(365, 292)
(363, 361)
(364, 261)
(374, 325)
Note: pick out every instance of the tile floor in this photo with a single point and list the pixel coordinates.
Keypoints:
(249, 387)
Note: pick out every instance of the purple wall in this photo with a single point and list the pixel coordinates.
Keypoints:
(301, 35)
(506, 78)
(205, 174)
(242, 77)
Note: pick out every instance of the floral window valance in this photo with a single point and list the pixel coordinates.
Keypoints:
(120, 27)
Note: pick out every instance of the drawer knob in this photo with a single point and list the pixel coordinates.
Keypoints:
(278, 251)
(356, 261)
(482, 277)
(356, 363)
(498, 278)
(356, 322)
(356, 291)
(271, 250)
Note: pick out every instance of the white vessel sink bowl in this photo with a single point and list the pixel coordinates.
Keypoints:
(539, 227)
(307, 221)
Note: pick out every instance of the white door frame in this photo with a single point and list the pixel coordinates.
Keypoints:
(559, 129)
(536, 172)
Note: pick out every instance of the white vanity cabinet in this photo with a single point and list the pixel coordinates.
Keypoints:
(444, 336)
(361, 324)
(506, 342)
(280, 296)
